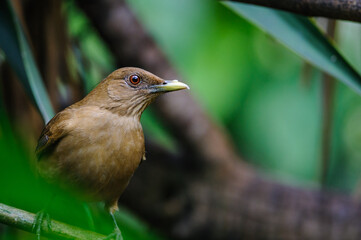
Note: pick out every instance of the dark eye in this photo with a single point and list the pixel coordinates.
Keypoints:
(134, 79)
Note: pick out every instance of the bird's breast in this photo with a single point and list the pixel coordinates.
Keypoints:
(101, 152)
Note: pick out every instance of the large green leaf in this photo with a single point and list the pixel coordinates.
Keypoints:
(302, 36)
(16, 48)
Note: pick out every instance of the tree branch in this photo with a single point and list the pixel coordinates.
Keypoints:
(24, 220)
(235, 205)
(337, 9)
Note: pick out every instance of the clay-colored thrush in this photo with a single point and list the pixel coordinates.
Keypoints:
(96, 144)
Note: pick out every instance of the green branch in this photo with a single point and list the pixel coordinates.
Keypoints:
(24, 220)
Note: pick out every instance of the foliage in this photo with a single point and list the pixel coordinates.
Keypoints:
(300, 35)
(246, 80)
(18, 53)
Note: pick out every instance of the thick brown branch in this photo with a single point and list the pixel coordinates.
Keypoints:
(236, 206)
(24, 220)
(336, 9)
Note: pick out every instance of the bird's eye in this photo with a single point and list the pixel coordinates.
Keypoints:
(134, 79)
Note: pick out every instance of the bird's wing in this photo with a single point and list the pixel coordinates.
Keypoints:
(51, 134)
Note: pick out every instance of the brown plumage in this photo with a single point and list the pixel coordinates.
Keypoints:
(96, 144)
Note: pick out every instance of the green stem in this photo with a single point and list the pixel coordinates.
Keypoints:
(24, 220)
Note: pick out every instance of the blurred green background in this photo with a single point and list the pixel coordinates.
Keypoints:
(255, 87)
(247, 81)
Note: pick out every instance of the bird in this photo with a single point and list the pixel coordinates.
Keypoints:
(95, 145)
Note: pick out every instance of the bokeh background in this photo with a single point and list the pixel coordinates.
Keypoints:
(266, 98)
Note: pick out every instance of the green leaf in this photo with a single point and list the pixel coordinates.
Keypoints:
(16, 48)
(300, 35)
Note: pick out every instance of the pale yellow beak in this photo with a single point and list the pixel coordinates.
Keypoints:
(170, 85)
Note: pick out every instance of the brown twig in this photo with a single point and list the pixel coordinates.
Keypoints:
(24, 220)
(335, 9)
(328, 90)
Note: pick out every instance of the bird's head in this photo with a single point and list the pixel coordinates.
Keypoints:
(128, 91)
